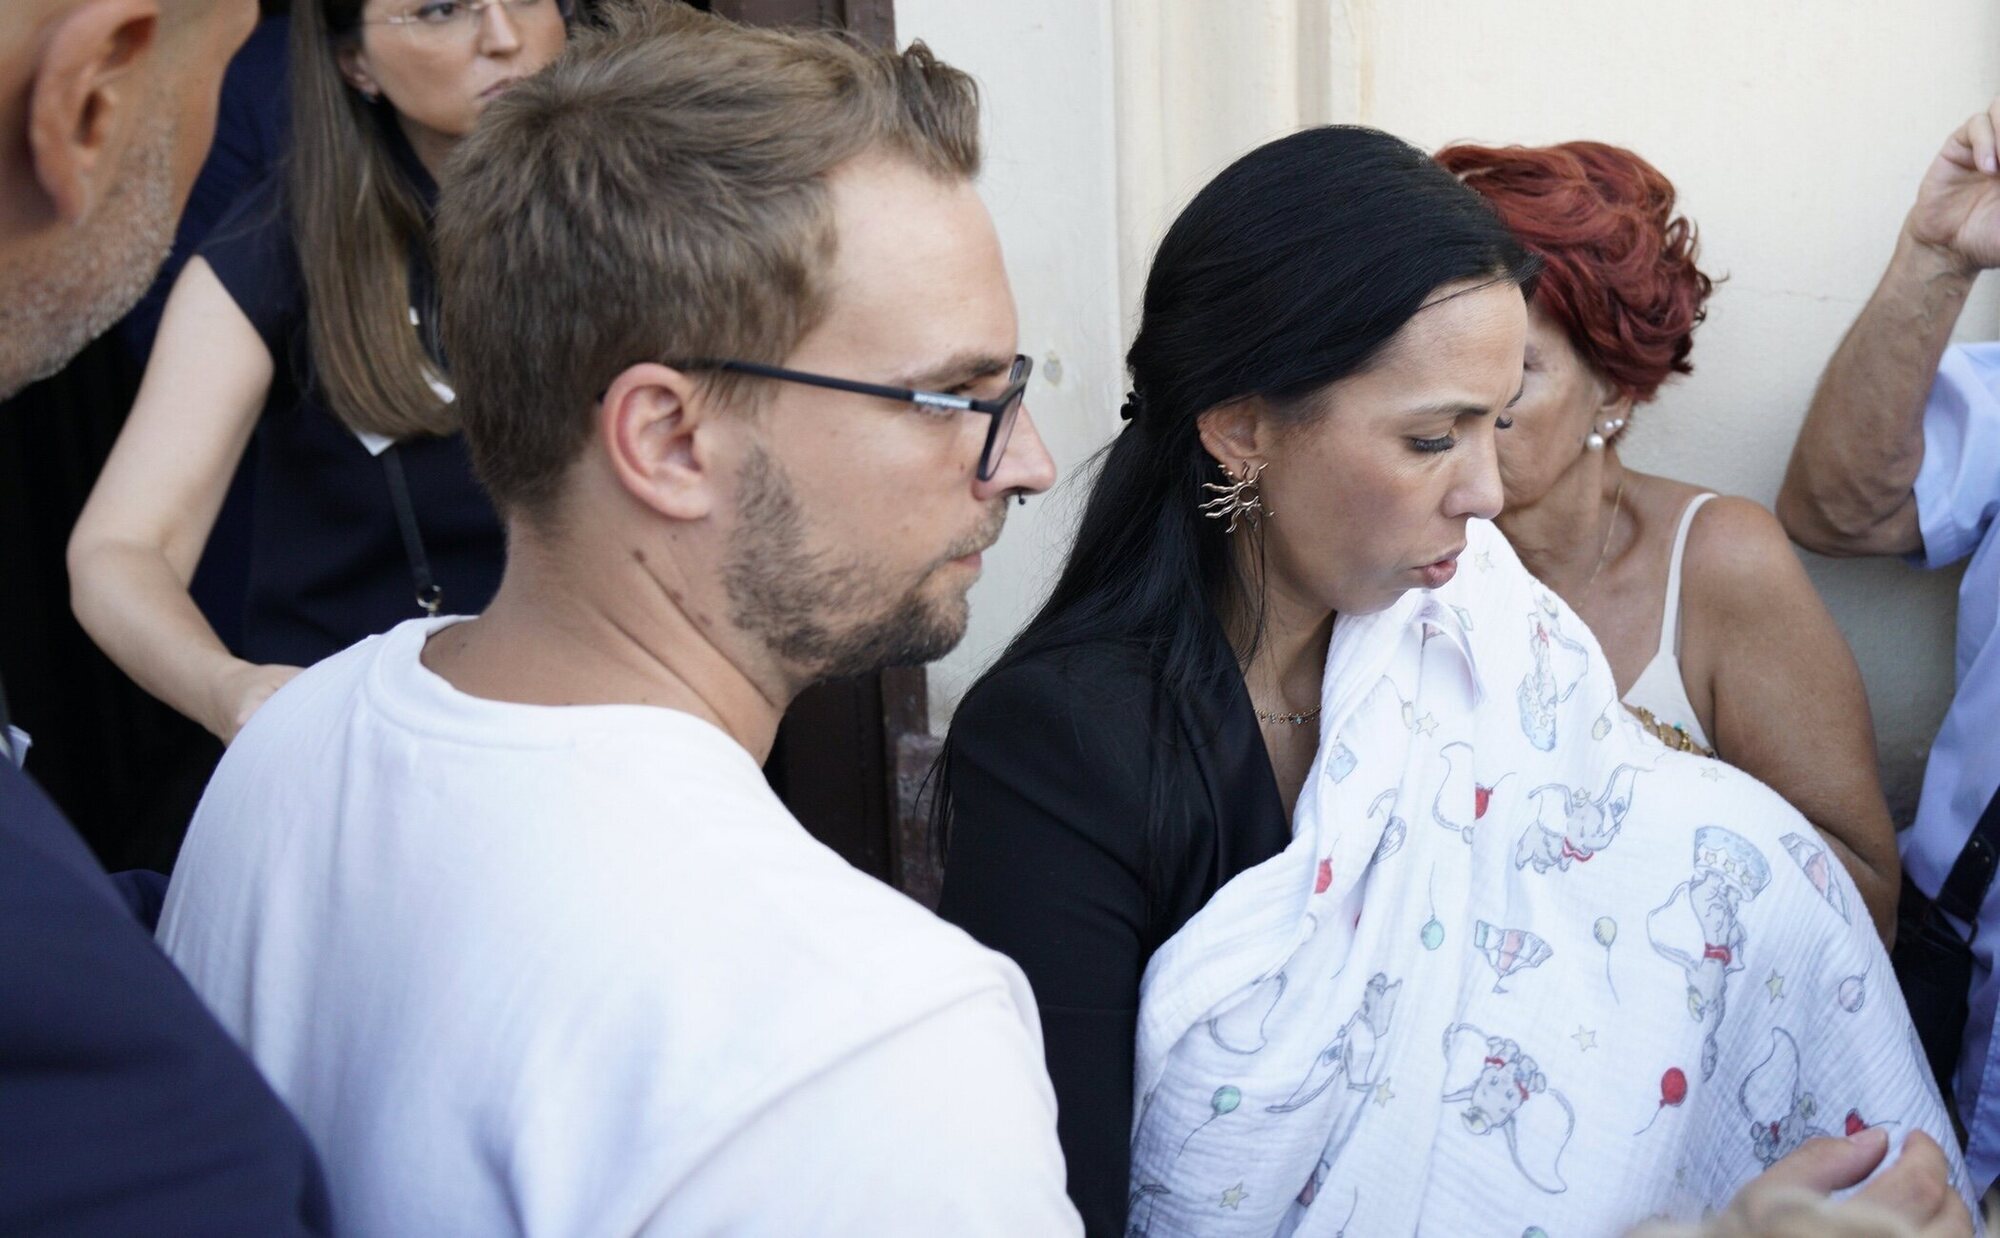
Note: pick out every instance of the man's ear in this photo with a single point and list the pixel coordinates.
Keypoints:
(657, 435)
(91, 91)
(1235, 433)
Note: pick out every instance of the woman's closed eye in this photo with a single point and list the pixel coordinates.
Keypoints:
(1445, 442)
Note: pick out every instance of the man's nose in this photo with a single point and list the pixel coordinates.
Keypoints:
(1026, 467)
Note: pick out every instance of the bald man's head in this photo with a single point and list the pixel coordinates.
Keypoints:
(107, 108)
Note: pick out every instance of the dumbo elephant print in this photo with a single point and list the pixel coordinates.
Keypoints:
(1349, 1058)
(1700, 930)
(1504, 1092)
(1570, 826)
(1779, 1108)
(1559, 665)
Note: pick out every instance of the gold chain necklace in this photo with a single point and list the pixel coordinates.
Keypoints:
(1297, 719)
(1610, 530)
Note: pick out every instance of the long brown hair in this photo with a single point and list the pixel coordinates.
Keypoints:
(356, 220)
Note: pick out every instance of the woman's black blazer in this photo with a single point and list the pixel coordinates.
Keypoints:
(1059, 764)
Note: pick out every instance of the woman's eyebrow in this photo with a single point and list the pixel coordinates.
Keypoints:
(1448, 408)
(1461, 408)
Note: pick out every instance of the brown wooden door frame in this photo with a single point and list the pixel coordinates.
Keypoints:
(852, 755)
(873, 20)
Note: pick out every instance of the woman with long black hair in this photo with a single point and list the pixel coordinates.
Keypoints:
(1350, 896)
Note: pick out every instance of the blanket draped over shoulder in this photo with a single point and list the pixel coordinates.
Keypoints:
(1521, 971)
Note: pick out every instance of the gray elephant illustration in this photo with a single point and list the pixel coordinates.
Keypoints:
(1570, 827)
(1240, 1029)
(1780, 1110)
(1700, 929)
(1559, 666)
(1349, 1057)
(1504, 1091)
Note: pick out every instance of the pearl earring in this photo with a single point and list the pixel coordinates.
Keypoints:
(1603, 434)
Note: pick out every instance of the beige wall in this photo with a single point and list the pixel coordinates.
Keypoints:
(1795, 129)
(1051, 180)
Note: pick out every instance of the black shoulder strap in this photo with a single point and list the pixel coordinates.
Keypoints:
(429, 595)
(1965, 887)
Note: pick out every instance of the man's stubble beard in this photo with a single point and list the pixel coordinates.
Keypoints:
(67, 296)
(826, 619)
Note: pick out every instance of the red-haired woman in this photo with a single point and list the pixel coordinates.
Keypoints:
(1716, 637)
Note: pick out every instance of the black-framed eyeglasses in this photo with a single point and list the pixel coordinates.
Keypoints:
(1004, 408)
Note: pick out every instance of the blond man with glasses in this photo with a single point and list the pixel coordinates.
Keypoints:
(503, 905)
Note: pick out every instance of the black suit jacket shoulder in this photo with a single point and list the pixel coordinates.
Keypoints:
(124, 1106)
(1092, 817)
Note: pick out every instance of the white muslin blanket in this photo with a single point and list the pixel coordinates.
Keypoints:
(1522, 971)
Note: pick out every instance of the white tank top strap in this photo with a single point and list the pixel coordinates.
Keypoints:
(1659, 696)
(1670, 619)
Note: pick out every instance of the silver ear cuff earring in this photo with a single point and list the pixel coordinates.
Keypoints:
(1237, 501)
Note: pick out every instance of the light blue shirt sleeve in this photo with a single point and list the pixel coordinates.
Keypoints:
(1958, 484)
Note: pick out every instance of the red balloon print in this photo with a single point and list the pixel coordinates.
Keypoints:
(1854, 1123)
(1673, 1090)
(1673, 1086)
(1325, 878)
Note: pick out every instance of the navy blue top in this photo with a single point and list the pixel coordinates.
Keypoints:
(253, 131)
(327, 561)
(124, 1107)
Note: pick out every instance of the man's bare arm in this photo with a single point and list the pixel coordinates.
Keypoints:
(1849, 489)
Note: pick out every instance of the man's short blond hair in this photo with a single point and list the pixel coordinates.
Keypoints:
(660, 194)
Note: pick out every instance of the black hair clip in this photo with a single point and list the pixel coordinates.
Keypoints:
(1132, 407)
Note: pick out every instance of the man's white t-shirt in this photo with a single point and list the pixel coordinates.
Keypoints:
(577, 971)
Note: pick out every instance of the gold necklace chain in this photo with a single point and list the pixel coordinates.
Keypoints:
(1610, 531)
(1295, 719)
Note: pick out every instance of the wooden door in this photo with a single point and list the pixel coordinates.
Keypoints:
(873, 20)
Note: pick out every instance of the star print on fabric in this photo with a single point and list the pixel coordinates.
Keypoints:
(1777, 986)
(1426, 725)
(1234, 1197)
(1585, 1040)
(1383, 1095)
(1483, 561)
(1712, 772)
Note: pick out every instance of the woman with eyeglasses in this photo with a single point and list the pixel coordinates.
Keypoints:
(307, 323)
